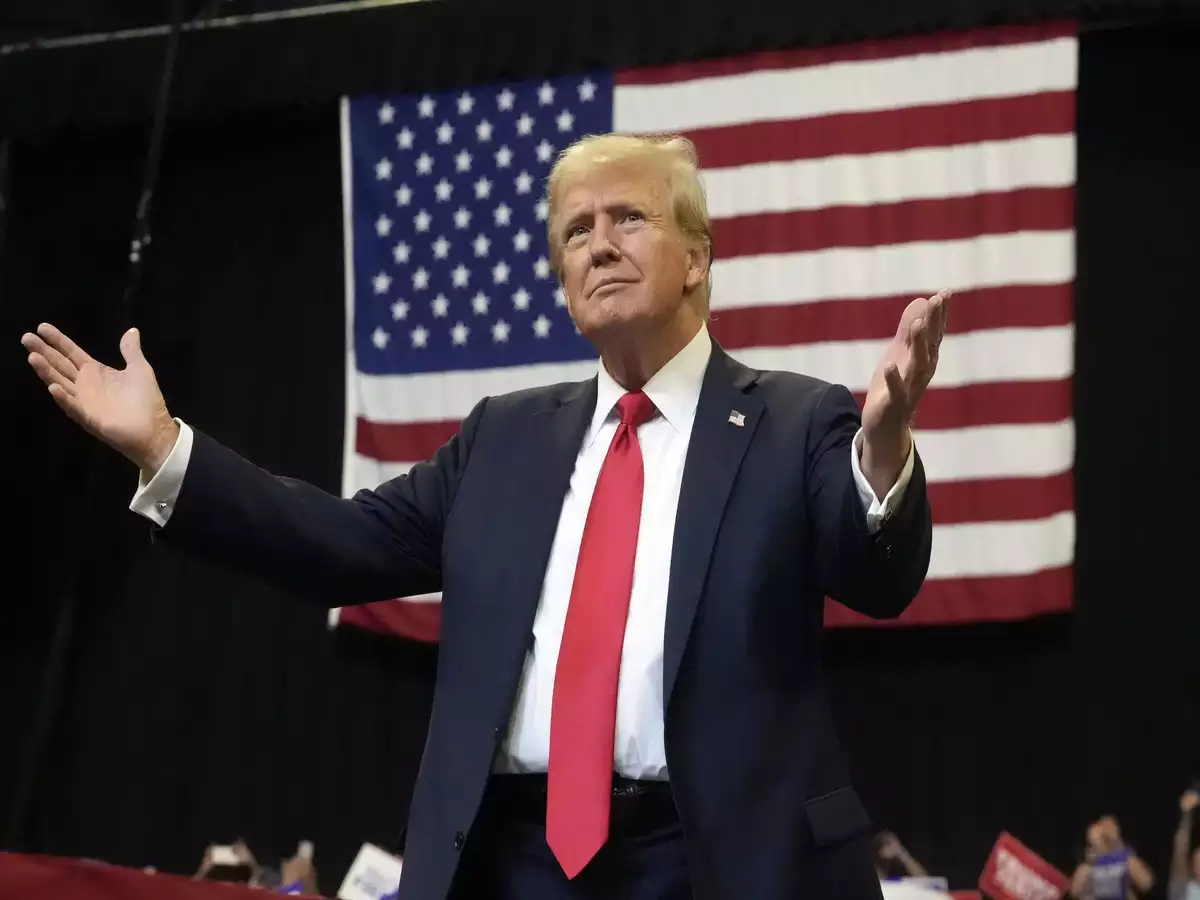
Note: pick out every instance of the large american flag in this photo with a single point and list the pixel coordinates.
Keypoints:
(842, 182)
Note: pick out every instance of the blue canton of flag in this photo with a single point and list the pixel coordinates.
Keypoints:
(450, 262)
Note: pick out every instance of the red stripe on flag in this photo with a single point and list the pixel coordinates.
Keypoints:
(996, 598)
(941, 408)
(950, 219)
(886, 130)
(1001, 499)
(941, 602)
(418, 621)
(886, 48)
(991, 403)
(408, 442)
(876, 318)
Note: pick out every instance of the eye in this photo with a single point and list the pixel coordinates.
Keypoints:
(576, 231)
(634, 216)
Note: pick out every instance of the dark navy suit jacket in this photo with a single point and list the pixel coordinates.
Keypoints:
(769, 523)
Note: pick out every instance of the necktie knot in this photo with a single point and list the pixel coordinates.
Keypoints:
(635, 409)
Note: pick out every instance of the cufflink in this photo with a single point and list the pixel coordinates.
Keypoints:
(160, 505)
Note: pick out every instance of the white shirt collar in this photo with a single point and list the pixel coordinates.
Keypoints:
(674, 389)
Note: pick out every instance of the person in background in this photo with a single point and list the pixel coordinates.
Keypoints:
(892, 859)
(1184, 883)
(1111, 870)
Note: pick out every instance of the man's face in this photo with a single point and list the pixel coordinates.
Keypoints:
(624, 260)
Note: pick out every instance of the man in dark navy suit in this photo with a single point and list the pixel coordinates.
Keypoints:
(629, 700)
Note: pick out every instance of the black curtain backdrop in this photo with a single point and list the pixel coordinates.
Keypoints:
(199, 705)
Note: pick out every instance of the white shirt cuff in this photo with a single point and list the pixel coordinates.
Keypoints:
(878, 510)
(155, 499)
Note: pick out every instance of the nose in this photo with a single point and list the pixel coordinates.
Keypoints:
(602, 243)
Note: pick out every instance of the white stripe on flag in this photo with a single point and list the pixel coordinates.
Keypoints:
(848, 87)
(976, 549)
(997, 355)
(918, 268)
(955, 455)
(923, 173)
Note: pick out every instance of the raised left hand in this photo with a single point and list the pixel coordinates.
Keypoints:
(897, 385)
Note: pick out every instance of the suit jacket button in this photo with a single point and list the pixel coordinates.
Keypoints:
(459, 840)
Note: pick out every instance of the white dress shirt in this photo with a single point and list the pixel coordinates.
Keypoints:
(639, 750)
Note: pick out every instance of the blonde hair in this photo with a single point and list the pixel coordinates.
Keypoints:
(670, 154)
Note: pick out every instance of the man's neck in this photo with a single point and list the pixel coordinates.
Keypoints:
(633, 359)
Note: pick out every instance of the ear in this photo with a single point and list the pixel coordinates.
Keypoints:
(699, 259)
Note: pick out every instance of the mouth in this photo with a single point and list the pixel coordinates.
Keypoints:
(608, 285)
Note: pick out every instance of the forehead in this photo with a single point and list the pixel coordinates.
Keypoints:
(613, 184)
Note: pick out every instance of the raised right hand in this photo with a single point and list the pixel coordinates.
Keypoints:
(122, 407)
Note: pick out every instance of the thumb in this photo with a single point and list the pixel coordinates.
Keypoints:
(131, 347)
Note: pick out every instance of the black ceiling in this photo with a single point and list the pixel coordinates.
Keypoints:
(24, 20)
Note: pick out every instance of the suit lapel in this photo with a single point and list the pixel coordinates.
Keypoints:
(539, 478)
(715, 451)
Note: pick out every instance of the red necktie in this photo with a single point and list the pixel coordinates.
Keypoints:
(584, 708)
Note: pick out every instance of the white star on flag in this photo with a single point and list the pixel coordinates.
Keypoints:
(483, 188)
(541, 326)
(387, 113)
(420, 279)
(462, 217)
(459, 333)
(400, 252)
(445, 133)
(521, 299)
(481, 244)
(399, 310)
(441, 305)
(379, 337)
(382, 282)
(524, 183)
(383, 169)
(483, 130)
(404, 138)
(466, 103)
(587, 90)
(462, 162)
(461, 276)
(420, 336)
(541, 268)
(424, 164)
(425, 107)
(441, 247)
(500, 331)
(443, 190)
(524, 124)
(505, 98)
(403, 195)
(565, 120)
(421, 221)
(502, 214)
(546, 94)
(521, 240)
(500, 272)
(480, 303)
(545, 150)
(382, 226)
(504, 158)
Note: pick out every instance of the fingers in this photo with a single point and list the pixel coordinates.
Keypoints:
(50, 375)
(131, 346)
(67, 403)
(63, 345)
(896, 386)
(921, 347)
(35, 345)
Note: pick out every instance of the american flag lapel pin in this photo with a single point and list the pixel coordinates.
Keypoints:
(737, 418)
